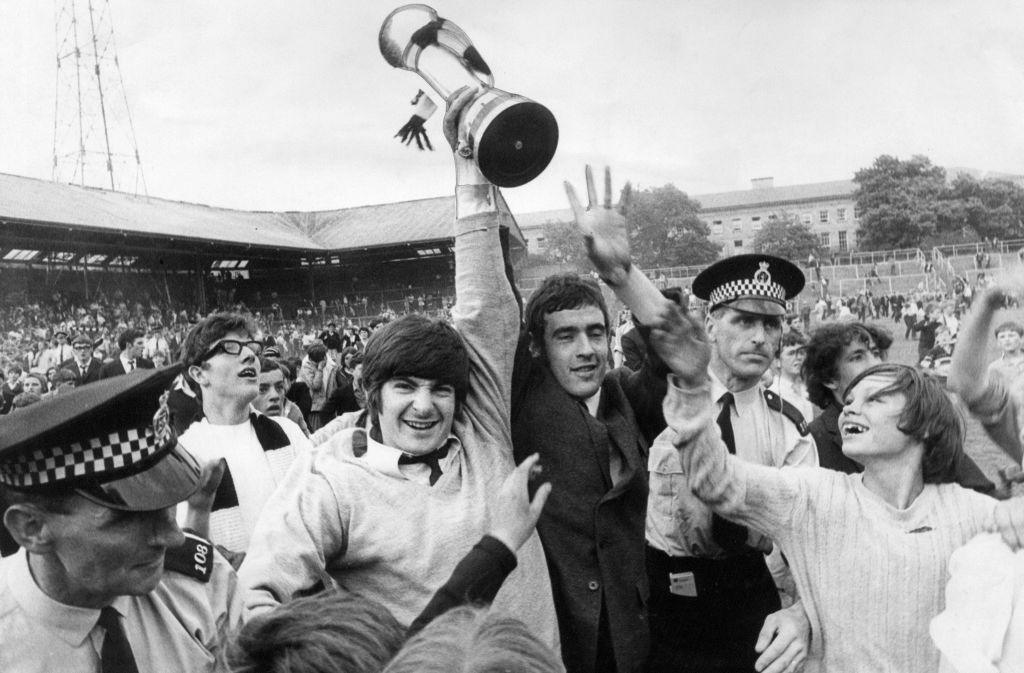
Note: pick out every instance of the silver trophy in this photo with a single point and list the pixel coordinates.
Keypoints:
(512, 138)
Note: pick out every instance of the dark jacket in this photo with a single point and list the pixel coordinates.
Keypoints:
(825, 430)
(592, 531)
(116, 368)
(92, 371)
(634, 351)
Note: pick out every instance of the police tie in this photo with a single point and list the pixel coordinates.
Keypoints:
(730, 536)
(116, 655)
(432, 460)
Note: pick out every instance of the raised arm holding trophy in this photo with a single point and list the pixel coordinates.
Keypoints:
(510, 138)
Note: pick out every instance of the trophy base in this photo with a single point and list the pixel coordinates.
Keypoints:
(514, 137)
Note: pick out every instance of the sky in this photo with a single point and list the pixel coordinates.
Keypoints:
(289, 105)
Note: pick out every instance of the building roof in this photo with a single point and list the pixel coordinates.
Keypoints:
(542, 217)
(745, 198)
(34, 200)
(773, 196)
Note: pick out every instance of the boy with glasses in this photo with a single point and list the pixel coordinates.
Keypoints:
(83, 364)
(220, 355)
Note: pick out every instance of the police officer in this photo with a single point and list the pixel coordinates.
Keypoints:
(712, 593)
(105, 579)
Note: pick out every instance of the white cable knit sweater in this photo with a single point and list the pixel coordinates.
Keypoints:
(871, 577)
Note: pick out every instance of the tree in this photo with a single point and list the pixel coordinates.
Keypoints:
(563, 243)
(665, 228)
(992, 208)
(901, 202)
(785, 236)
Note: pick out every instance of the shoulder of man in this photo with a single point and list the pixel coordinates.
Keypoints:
(194, 558)
(777, 403)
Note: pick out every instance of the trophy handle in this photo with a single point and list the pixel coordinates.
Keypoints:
(403, 49)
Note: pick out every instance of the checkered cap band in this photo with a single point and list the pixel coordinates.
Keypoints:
(99, 456)
(747, 288)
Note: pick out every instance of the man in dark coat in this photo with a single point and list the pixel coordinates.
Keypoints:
(132, 344)
(568, 407)
(85, 367)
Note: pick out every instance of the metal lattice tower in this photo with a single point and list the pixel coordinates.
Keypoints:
(93, 136)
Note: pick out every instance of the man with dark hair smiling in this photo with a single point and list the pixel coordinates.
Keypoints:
(389, 510)
(569, 406)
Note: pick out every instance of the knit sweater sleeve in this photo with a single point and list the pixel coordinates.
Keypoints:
(768, 499)
(487, 317)
(999, 413)
(303, 526)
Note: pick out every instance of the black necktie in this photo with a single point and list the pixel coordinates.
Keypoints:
(729, 536)
(431, 460)
(131, 365)
(116, 655)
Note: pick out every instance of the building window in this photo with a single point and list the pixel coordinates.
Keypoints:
(773, 217)
(716, 228)
(841, 214)
(823, 216)
(856, 212)
(842, 241)
(824, 238)
(806, 218)
(737, 225)
(737, 244)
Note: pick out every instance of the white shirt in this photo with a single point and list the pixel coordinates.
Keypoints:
(176, 627)
(128, 363)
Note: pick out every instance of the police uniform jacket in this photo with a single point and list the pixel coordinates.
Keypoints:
(592, 528)
(768, 431)
(176, 627)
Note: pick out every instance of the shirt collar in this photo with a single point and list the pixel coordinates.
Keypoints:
(70, 623)
(384, 458)
(124, 359)
(742, 399)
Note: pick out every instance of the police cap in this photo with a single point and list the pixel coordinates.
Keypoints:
(111, 442)
(758, 284)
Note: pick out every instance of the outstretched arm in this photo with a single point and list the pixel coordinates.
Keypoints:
(968, 370)
(985, 395)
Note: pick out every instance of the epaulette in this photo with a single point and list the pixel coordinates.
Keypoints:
(777, 403)
(193, 559)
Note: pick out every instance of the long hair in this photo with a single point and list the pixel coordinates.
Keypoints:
(929, 417)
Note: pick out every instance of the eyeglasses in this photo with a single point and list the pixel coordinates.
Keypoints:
(82, 347)
(232, 347)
